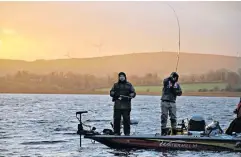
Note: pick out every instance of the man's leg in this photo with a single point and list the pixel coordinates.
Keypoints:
(173, 117)
(234, 126)
(126, 121)
(117, 121)
(164, 115)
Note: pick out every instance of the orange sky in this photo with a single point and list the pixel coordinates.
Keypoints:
(49, 30)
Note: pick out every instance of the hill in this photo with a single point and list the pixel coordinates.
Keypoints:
(136, 64)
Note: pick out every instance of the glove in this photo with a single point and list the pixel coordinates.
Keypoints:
(132, 95)
(116, 95)
(175, 85)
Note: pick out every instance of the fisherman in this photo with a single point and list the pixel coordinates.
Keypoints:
(236, 123)
(238, 109)
(122, 92)
(171, 89)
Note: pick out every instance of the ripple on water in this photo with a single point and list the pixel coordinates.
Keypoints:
(39, 121)
(63, 129)
(42, 142)
(67, 133)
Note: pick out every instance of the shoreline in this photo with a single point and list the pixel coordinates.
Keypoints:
(204, 94)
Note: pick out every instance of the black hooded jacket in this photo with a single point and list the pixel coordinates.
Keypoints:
(171, 89)
(119, 89)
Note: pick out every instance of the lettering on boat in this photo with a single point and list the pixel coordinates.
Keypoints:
(177, 145)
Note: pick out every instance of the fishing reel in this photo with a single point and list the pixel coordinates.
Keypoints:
(122, 97)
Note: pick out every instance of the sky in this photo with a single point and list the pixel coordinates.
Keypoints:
(51, 30)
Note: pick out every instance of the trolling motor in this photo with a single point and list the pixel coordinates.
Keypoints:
(81, 130)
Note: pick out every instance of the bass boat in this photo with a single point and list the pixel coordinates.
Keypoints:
(191, 137)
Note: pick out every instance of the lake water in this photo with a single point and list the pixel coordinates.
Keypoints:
(45, 125)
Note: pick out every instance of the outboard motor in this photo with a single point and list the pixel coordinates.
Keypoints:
(213, 129)
(196, 123)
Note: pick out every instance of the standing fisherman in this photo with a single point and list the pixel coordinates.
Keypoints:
(171, 89)
(122, 92)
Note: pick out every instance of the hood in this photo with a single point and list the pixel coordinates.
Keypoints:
(174, 74)
(122, 73)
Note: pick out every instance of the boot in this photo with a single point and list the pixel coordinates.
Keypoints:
(164, 132)
(117, 134)
(174, 131)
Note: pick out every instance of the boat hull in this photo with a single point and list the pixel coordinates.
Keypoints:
(179, 142)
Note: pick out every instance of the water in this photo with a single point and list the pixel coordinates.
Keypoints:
(45, 125)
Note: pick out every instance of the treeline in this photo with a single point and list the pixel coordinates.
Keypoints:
(59, 82)
(232, 79)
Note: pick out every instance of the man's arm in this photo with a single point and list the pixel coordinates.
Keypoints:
(166, 82)
(178, 90)
(132, 91)
(112, 91)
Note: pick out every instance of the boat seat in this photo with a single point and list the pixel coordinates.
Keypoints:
(196, 123)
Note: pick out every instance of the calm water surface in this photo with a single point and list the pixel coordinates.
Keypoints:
(45, 125)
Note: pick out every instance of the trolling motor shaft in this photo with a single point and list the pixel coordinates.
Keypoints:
(80, 125)
(81, 131)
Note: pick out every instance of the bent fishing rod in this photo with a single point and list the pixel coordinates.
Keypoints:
(179, 34)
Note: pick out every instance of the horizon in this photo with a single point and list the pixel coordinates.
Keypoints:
(100, 29)
(150, 53)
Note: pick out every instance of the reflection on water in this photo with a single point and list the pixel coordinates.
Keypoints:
(45, 125)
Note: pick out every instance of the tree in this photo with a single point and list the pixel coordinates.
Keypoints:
(233, 79)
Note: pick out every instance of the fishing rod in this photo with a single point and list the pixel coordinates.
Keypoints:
(179, 35)
(123, 96)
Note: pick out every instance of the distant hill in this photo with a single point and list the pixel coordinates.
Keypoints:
(133, 64)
